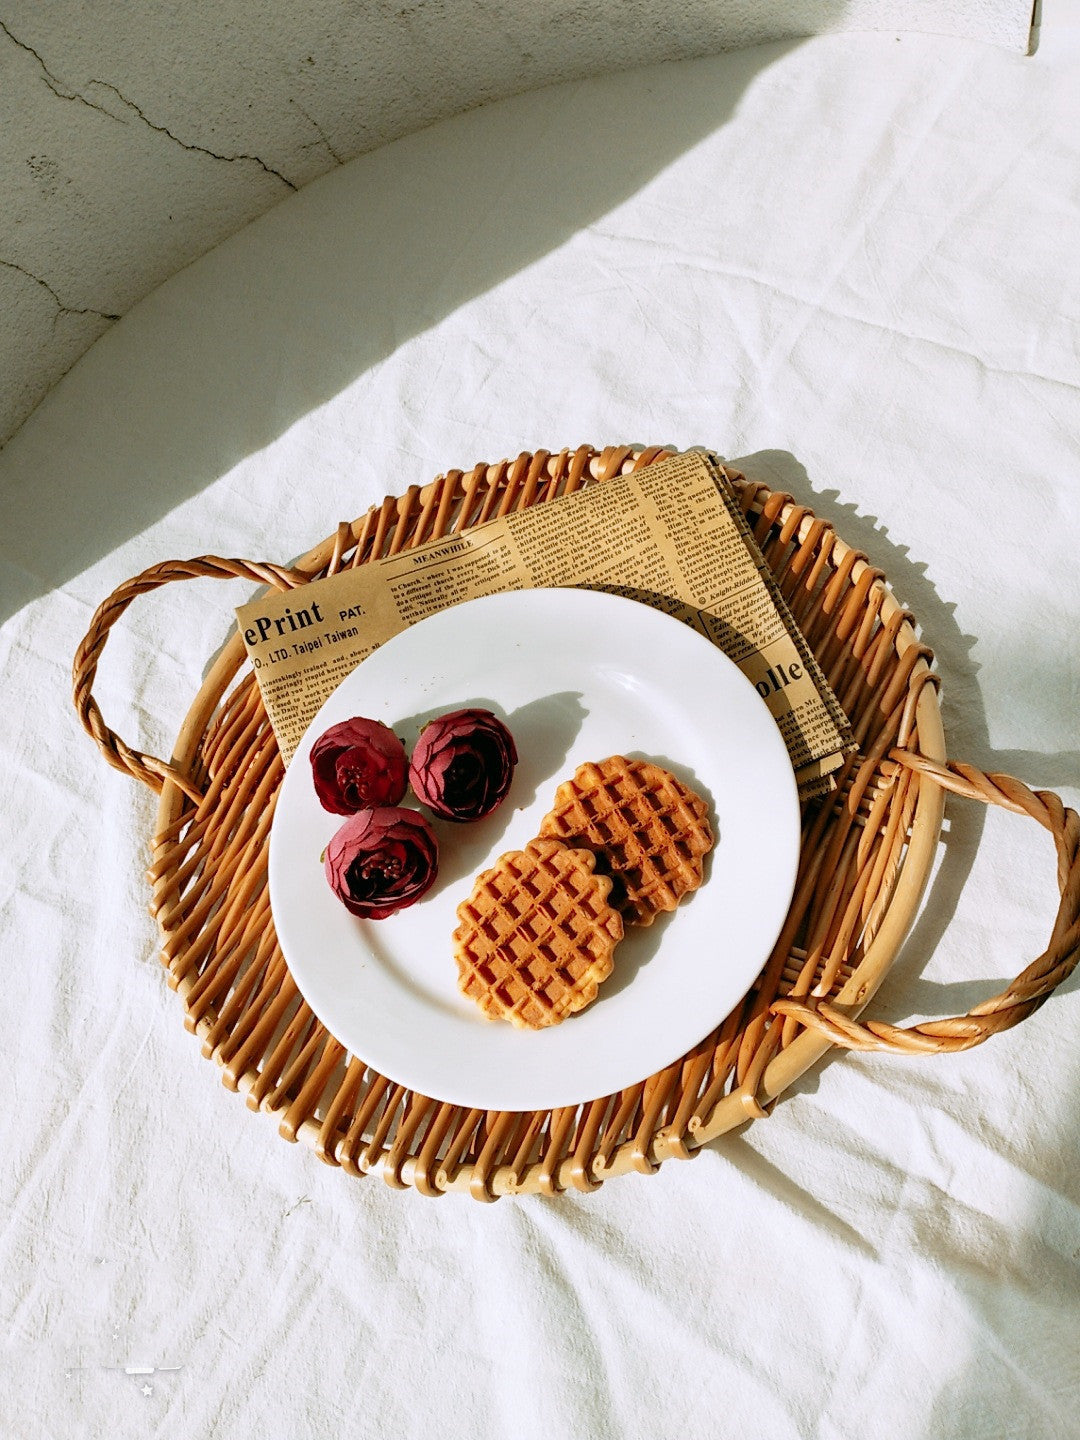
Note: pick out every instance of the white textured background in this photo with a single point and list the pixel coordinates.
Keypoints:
(134, 137)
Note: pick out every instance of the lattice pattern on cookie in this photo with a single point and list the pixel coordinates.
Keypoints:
(537, 935)
(648, 830)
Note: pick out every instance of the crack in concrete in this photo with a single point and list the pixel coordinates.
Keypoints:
(61, 308)
(55, 84)
(187, 145)
(338, 159)
(68, 92)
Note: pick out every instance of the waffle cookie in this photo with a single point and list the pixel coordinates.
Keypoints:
(537, 935)
(649, 831)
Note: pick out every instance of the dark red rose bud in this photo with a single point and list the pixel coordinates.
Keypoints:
(358, 765)
(381, 861)
(462, 764)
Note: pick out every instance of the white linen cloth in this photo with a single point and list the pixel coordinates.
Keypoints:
(851, 266)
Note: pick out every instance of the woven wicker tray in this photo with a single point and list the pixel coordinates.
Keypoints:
(867, 852)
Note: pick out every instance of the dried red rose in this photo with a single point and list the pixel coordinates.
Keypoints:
(358, 764)
(462, 764)
(381, 861)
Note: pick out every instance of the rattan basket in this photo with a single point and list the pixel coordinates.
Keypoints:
(867, 852)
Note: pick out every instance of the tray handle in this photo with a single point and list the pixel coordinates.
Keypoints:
(148, 768)
(1030, 988)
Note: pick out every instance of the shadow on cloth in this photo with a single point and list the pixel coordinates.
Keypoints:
(227, 355)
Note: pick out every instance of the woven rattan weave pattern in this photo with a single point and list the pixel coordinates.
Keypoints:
(866, 854)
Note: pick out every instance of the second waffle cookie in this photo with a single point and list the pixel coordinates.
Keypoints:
(648, 830)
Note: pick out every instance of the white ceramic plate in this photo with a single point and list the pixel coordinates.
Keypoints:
(576, 675)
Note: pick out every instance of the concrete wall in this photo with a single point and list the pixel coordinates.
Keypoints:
(136, 136)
